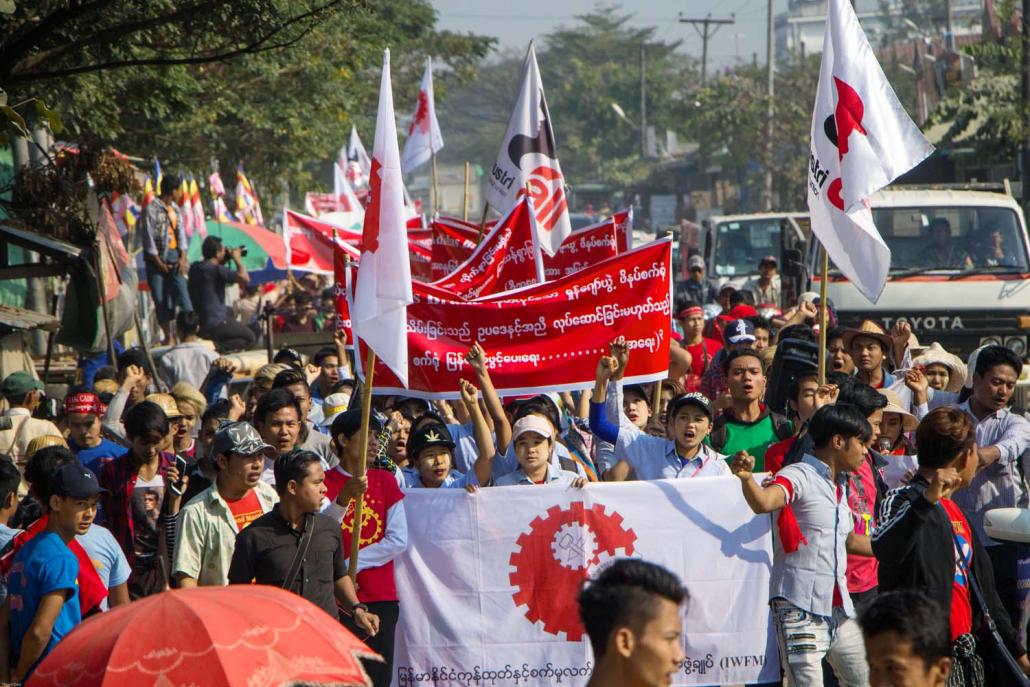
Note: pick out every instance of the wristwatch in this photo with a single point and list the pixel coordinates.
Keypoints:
(358, 607)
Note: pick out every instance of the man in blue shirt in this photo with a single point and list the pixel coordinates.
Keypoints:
(83, 411)
(42, 603)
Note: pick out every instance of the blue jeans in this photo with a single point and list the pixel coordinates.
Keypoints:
(805, 639)
(169, 292)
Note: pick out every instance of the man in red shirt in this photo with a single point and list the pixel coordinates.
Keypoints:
(702, 350)
(384, 533)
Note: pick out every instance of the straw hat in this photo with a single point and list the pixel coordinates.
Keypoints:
(43, 441)
(935, 354)
(166, 402)
(908, 420)
(873, 331)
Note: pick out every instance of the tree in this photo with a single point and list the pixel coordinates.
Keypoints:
(585, 68)
(728, 122)
(276, 84)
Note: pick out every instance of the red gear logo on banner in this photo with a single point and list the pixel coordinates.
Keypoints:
(556, 555)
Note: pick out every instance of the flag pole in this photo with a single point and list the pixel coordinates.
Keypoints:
(538, 259)
(465, 214)
(482, 223)
(436, 186)
(823, 279)
(366, 411)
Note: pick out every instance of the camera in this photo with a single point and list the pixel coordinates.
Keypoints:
(226, 257)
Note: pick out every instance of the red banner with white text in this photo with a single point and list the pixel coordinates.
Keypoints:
(545, 337)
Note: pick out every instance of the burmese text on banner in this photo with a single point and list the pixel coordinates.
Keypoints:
(489, 580)
(545, 337)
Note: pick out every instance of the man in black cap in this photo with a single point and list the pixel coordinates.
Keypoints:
(210, 522)
(43, 595)
(293, 546)
(766, 287)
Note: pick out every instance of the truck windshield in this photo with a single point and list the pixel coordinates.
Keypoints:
(741, 244)
(952, 238)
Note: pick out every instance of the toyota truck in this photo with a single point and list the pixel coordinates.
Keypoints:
(959, 267)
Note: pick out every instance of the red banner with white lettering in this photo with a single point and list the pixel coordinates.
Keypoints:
(341, 282)
(504, 260)
(546, 337)
(453, 243)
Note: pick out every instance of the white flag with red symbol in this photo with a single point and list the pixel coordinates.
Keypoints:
(424, 137)
(346, 201)
(528, 156)
(862, 139)
(383, 290)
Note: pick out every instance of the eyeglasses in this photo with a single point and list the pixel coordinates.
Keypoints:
(697, 269)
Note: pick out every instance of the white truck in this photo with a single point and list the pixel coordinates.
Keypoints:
(733, 245)
(960, 268)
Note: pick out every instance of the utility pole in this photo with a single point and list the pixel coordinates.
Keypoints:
(1024, 154)
(770, 108)
(709, 27)
(643, 108)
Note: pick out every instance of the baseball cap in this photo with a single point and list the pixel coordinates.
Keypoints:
(333, 405)
(289, 356)
(637, 389)
(531, 423)
(694, 399)
(85, 402)
(767, 259)
(739, 331)
(238, 437)
(428, 436)
(74, 481)
(695, 261)
(19, 383)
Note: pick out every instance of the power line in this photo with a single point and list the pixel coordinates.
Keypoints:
(709, 28)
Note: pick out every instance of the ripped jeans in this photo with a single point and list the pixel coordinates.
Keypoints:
(805, 639)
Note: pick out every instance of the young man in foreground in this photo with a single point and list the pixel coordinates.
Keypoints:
(43, 596)
(906, 639)
(631, 612)
(808, 590)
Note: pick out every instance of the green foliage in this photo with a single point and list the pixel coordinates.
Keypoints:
(282, 106)
(728, 120)
(986, 114)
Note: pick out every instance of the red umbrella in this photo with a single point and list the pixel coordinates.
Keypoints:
(241, 635)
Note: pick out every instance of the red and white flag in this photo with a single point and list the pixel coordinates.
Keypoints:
(528, 156)
(862, 139)
(346, 200)
(359, 165)
(424, 139)
(379, 315)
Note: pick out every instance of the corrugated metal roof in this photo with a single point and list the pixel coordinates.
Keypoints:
(19, 318)
(39, 243)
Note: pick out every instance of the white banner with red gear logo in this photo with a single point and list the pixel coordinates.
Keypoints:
(488, 584)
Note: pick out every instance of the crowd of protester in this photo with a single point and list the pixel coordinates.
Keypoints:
(159, 476)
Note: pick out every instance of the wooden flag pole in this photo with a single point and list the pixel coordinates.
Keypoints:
(366, 411)
(468, 172)
(823, 279)
(436, 186)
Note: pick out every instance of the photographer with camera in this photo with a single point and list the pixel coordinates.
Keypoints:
(207, 280)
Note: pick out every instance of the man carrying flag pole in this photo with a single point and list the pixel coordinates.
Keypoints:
(862, 139)
(379, 319)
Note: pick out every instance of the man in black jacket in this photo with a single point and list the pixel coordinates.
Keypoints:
(923, 541)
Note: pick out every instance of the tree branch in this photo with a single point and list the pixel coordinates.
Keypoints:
(110, 35)
(159, 61)
(12, 50)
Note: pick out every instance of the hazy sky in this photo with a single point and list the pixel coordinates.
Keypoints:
(515, 23)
